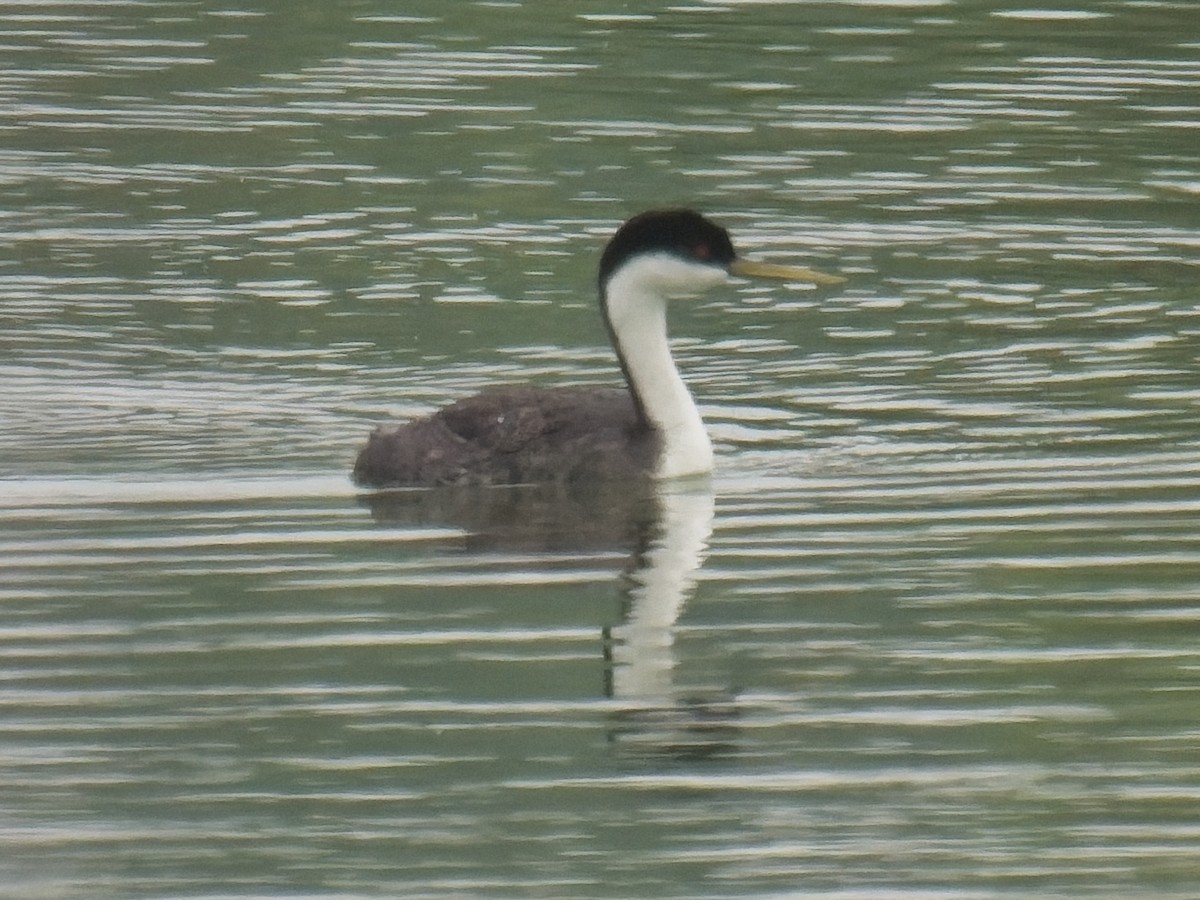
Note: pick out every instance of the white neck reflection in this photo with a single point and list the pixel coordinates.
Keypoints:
(643, 648)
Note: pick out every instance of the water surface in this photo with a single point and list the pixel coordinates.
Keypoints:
(930, 630)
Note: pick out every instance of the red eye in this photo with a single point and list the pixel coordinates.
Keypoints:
(701, 251)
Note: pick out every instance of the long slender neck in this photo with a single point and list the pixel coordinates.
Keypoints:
(636, 315)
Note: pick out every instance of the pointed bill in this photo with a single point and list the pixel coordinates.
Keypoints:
(749, 268)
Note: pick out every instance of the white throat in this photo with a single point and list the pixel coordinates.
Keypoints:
(637, 296)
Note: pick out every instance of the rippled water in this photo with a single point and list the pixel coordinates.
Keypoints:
(930, 632)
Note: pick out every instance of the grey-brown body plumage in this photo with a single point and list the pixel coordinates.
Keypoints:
(514, 435)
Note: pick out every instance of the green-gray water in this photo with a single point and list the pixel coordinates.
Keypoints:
(931, 633)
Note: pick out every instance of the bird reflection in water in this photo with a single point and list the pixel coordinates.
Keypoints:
(653, 717)
(665, 530)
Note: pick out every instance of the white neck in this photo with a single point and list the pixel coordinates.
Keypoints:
(637, 297)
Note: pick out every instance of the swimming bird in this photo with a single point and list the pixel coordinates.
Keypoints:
(653, 429)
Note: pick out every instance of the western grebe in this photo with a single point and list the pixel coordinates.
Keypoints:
(516, 435)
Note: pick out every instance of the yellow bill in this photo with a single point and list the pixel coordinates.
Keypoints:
(749, 268)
